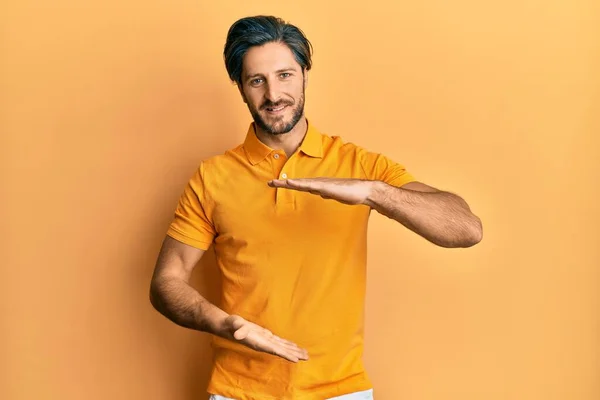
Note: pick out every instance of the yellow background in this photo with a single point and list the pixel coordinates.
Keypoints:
(108, 106)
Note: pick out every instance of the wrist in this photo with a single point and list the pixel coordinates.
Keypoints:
(376, 190)
(215, 321)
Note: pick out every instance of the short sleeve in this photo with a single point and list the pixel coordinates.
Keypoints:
(192, 223)
(381, 168)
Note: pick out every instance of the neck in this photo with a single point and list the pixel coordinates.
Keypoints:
(288, 142)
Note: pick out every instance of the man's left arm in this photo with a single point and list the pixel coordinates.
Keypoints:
(443, 218)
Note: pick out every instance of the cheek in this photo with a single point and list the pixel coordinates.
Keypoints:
(253, 98)
(298, 90)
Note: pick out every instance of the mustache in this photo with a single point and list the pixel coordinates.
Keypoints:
(270, 104)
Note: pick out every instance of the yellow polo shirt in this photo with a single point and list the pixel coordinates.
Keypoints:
(291, 261)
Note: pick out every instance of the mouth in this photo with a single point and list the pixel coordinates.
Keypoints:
(276, 110)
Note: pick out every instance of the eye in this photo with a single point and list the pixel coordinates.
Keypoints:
(285, 75)
(256, 81)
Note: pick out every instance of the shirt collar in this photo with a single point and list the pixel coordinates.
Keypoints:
(256, 151)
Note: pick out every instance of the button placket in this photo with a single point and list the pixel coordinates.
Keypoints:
(282, 170)
(278, 162)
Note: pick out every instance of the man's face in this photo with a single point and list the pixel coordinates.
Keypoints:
(272, 84)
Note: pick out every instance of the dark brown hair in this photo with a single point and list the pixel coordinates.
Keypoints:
(258, 30)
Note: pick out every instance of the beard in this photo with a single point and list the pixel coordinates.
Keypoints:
(279, 127)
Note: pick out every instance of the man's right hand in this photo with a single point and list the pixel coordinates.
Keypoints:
(260, 339)
(172, 295)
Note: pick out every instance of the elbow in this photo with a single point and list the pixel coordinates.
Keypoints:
(470, 235)
(154, 295)
(475, 233)
(153, 298)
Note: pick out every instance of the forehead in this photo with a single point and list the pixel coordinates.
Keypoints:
(268, 58)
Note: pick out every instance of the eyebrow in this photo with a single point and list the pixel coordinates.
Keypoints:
(279, 71)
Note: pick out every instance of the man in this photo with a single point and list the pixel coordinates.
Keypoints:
(287, 214)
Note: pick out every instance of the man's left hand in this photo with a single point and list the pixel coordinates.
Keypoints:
(347, 191)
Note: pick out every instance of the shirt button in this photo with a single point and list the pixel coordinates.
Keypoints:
(283, 176)
(276, 156)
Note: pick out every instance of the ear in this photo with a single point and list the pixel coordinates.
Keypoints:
(239, 86)
(305, 73)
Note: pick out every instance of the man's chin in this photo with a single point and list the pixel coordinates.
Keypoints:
(281, 131)
(276, 125)
(278, 128)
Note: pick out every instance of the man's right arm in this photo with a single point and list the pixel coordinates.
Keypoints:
(172, 295)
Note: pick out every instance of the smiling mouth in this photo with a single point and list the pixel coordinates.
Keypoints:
(275, 110)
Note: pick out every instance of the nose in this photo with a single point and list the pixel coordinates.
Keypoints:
(272, 92)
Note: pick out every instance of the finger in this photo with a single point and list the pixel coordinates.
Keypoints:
(297, 352)
(280, 347)
(285, 342)
(276, 183)
(296, 184)
(317, 185)
(282, 340)
(270, 346)
(311, 187)
(290, 355)
(291, 347)
(294, 354)
(242, 333)
(279, 183)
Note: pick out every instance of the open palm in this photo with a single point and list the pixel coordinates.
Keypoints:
(261, 339)
(347, 191)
